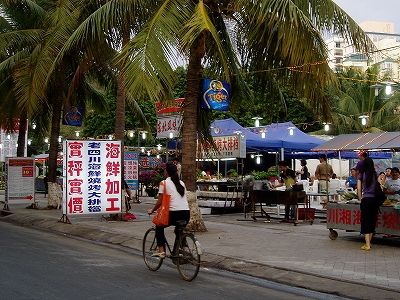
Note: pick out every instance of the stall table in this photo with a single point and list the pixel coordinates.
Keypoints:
(219, 194)
(268, 197)
(348, 217)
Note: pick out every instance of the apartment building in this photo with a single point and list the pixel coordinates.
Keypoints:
(342, 54)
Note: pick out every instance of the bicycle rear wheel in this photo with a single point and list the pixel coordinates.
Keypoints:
(149, 247)
(188, 261)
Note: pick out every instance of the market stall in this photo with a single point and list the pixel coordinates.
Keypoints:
(346, 215)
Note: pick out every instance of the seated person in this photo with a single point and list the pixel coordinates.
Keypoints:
(287, 178)
(351, 181)
(392, 185)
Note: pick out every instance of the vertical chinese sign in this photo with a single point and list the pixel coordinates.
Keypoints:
(92, 172)
(131, 169)
(20, 178)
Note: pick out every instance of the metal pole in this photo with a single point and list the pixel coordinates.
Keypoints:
(282, 154)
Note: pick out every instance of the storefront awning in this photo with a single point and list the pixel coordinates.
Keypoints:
(362, 141)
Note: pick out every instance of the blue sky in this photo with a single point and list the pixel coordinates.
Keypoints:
(373, 10)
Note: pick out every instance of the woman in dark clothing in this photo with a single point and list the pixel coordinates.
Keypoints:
(366, 188)
(304, 170)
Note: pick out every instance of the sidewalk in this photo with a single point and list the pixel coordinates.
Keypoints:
(300, 255)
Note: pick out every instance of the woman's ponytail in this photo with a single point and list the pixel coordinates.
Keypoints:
(173, 174)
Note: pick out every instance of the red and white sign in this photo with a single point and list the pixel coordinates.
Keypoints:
(348, 217)
(169, 126)
(20, 177)
(232, 146)
(170, 108)
(92, 181)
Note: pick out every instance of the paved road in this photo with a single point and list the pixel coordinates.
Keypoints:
(41, 265)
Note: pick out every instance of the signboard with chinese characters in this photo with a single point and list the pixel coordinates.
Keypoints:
(20, 178)
(131, 168)
(216, 95)
(149, 162)
(169, 118)
(231, 146)
(348, 217)
(92, 182)
(168, 125)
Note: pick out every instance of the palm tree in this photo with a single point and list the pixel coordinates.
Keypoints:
(356, 98)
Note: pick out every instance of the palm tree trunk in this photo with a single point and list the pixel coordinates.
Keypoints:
(120, 109)
(189, 130)
(55, 195)
(23, 125)
(121, 95)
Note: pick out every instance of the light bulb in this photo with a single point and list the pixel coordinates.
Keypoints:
(252, 155)
(291, 132)
(142, 150)
(171, 135)
(60, 139)
(144, 135)
(33, 125)
(158, 155)
(29, 142)
(388, 89)
(257, 123)
(131, 133)
(77, 133)
(46, 140)
(158, 147)
(258, 160)
(148, 153)
(326, 127)
(363, 121)
(263, 135)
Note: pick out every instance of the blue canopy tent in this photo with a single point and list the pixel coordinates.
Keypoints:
(292, 139)
(254, 142)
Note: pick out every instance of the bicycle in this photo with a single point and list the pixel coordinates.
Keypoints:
(185, 253)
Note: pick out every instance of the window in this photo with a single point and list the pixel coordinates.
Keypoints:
(337, 44)
(338, 60)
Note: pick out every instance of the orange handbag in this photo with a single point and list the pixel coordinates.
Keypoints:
(162, 215)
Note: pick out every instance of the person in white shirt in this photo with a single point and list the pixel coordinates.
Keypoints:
(392, 185)
(178, 206)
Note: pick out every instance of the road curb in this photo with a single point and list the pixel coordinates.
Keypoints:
(284, 276)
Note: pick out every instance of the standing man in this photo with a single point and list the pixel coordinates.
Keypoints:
(323, 173)
(178, 167)
(392, 185)
(287, 178)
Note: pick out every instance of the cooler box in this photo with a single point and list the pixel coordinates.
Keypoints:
(306, 213)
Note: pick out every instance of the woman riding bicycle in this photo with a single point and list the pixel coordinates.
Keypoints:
(178, 206)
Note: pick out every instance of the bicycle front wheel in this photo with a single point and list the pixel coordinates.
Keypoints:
(188, 262)
(149, 247)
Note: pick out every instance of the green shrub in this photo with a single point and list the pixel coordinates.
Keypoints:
(259, 175)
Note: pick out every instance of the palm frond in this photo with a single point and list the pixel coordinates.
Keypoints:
(149, 55)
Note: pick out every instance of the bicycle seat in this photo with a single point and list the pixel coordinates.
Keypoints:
(181, 223)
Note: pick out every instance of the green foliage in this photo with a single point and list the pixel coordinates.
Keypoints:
(259, 175)
(232, 173)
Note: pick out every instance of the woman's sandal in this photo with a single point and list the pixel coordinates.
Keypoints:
(365, 248)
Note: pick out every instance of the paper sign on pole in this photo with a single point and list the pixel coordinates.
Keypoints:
(93, 172)
(131, 169)
(20, 177)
